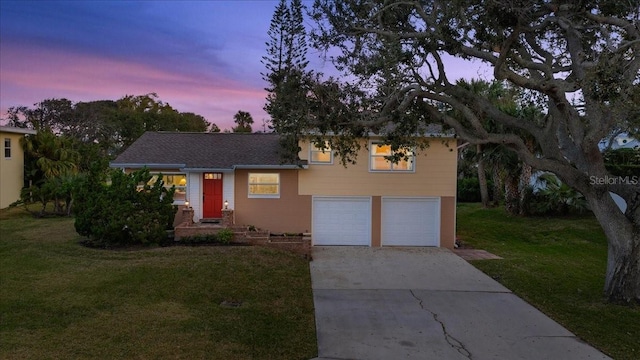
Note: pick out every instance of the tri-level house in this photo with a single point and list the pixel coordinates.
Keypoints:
(372, 203)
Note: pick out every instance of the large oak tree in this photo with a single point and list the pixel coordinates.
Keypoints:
(578, 60)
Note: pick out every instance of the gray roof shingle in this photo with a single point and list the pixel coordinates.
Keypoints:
(202, 150)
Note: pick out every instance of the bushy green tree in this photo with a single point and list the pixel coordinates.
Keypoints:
(51, 165)
(128, 209)
(107, 126)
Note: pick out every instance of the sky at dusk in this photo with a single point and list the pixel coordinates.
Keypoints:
(198, 56)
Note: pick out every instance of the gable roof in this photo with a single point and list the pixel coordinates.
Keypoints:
(17, 130)
(203, 151)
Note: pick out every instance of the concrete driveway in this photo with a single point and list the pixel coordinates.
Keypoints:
(425, 303)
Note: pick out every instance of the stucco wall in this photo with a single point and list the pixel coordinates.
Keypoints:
(11, 170)
(448, 221)
(289, 213)
(435, 175)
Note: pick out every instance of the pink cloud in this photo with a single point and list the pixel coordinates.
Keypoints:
(29, 75)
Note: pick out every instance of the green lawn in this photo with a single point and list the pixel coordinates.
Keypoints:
(558, 265)
(60, 300)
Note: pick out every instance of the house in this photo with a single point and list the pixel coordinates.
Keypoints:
(371, 203)
(11, 164)
(620, 141)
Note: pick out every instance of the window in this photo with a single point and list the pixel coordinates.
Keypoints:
(320, 156)
(177, 180)
(7, 148)
(265, 185)
(212, 176)
(379, 159)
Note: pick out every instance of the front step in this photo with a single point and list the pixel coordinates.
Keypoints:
(211, 221)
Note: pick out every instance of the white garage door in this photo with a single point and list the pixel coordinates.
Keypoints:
(410, 221)
(341, 221)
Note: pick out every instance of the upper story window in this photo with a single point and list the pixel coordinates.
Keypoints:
(264, 185)
(379, 154)
(320, 156)
(7, 148)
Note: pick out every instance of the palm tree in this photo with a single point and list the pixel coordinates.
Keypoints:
(51, 162)
(243, 120)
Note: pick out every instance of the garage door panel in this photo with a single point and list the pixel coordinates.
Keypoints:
(410, 222)
(341, 221)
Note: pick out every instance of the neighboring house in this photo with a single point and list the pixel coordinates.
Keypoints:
(621, 141)
(372, 203)
(11, 164)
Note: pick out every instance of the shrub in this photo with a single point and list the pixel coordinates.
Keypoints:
(224, 236)
(198, 239)
(553, 198)
(623, 162)
(128, 211)
(469, 189)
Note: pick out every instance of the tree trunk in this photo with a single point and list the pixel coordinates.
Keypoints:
(482, 178)
(525, 181)
(622, 282)
(511, 195)
(498, 185)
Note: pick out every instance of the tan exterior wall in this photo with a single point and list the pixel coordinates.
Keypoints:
(11, 170)
(448, 222)
(290, 213)
(435, 175)
(376, 221)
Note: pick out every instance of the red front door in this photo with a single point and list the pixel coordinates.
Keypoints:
(212, 195)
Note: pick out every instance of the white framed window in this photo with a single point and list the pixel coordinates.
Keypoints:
(379, 154)
(264, 185)
(320, 156)
(176, 179)
(7, 148)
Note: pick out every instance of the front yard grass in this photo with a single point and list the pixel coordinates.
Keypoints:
(60, 300)
(558, 265)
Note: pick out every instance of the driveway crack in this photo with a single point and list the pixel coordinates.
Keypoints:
(452, 341)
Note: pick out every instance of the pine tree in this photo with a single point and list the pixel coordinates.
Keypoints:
(297, 38)
(276, 48)
(289, 81)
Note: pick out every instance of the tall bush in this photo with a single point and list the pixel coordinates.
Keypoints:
(623, 162)
(469, 189)
(553, 198)
(128, 209)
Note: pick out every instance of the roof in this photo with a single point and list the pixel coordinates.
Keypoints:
(16, 130)
(620, 141)
(626, 142)
(203, 151)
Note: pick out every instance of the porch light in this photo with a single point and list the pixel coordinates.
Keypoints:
(186, 204)
(226, 205)
(183, 182)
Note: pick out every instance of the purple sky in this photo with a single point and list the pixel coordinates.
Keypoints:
(198, 56)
